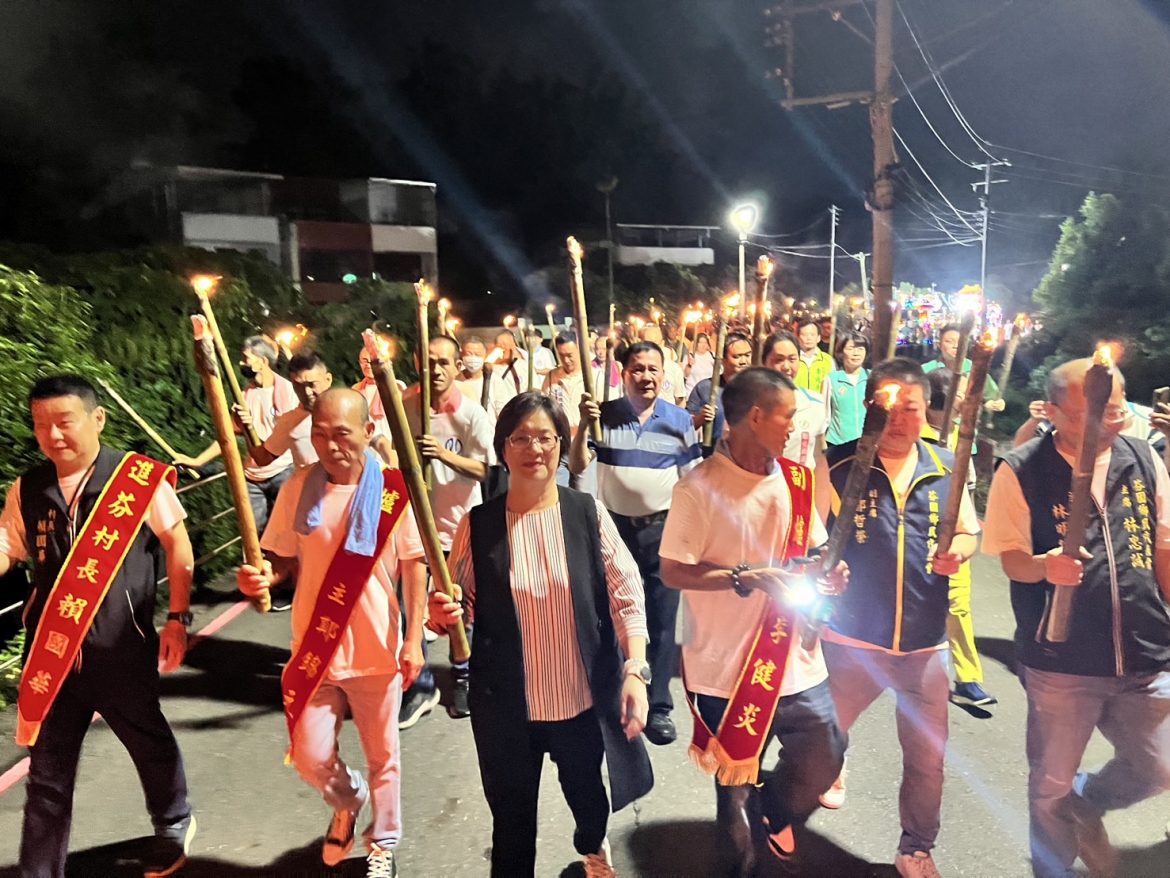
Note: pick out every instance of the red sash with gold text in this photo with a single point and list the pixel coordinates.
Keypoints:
(340, 589)
(733, 753)
(94, 559)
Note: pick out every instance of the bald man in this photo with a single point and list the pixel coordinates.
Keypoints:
(344, 527)
(1113, 671)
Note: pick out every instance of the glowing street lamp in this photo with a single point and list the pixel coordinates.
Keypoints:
(743, 219)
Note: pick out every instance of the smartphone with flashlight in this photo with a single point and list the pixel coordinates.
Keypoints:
(1161, 397)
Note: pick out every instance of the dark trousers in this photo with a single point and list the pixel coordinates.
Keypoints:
(811, 755)
(129, 703)
(511, 784)
(642, 536)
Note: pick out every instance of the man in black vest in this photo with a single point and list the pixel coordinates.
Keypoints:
(1112, 671)
(43, 514)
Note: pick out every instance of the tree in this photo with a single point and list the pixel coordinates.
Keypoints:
(1109, 279)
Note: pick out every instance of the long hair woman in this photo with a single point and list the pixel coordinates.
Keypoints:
(557, 603)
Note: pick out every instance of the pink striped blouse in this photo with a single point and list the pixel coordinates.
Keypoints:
(555, 684)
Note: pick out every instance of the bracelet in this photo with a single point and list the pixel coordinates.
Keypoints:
(740, 589)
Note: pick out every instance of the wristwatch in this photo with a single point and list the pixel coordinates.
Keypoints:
(185, 618)
(740, 589)
(639, 669)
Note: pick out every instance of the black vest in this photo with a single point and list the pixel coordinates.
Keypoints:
(1120, 623)
(124, 626)
(498, 705)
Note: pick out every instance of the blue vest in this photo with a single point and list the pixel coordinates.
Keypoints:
(1120, 624)
(893, 601)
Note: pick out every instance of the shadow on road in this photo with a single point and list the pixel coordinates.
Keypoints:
(230, 670)
(670, 850)
(999, 650)
(122, 860)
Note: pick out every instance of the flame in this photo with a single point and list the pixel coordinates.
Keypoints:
(987, 340)
(495, 356)
(285, 336)
(765, 266)
(289, 336)
(509, 321)
(1107, 354)
(424, 291)
(655, 315)
(575, 250)
(887, 395)
(453, 324)
(445, 304)
(729, 303)
(550, 307)
(204, 284)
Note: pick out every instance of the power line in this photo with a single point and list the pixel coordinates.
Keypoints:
(942, 87)
(930, 179)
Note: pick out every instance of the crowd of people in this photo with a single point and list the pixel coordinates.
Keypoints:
(580, 498)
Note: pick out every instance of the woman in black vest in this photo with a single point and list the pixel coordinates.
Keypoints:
(552, 590)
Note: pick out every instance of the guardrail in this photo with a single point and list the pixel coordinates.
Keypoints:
(191, 529)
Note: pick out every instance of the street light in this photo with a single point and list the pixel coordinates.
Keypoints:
(743, 219)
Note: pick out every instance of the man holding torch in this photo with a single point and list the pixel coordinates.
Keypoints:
(267, 396)
(458, 450)
(889, 631)
(734, 523)
(737, 356)
(1112, 669)
(345, 528)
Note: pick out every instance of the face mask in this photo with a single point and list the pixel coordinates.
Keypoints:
(248, 372)
(473, 364)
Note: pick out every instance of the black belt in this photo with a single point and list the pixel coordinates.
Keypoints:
(642, 520)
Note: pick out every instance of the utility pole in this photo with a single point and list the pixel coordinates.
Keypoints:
(985, 203)
(833, 210)
(881, 123)
(606, 188)
(881, 119)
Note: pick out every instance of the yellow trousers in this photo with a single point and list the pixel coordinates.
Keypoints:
(961, 629)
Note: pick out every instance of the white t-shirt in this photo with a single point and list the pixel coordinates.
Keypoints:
(1008, 525)
(293, 432)
(472, 388)
(724, 515)
(464, 428)
(808, 426)
(673, 383)
(371, 641)
(265, 405)
(165, 512)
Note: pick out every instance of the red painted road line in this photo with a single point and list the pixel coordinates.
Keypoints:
(19, 771)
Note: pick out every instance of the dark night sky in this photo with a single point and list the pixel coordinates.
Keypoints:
(1082, 81)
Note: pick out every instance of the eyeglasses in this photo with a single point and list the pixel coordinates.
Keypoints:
(544, 443)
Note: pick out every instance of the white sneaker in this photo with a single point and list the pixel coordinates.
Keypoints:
(919, 864)
(599, 865)
(380, 863)
(834, 797)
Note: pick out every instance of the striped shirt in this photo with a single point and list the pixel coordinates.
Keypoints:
(639, 464)
(556, 686)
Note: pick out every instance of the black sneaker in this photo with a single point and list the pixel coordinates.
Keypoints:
(416, 705)
(168, 851)
(282, 599)
(972, 695)
(660, 729)
(459, 708)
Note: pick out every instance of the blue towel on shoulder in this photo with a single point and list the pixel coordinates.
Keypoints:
(364, 510)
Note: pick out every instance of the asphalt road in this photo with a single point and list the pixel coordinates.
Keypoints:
(256, 818)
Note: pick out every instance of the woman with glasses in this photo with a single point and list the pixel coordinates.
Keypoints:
(559, 664)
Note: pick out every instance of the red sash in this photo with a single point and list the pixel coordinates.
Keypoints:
(340, 589)
(733, 753)
(94, 559)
